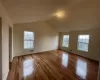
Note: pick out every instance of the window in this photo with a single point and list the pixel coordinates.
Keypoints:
(65, 41)
(28, 40)
(83, 42)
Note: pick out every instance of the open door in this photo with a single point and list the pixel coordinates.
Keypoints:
(10, 46)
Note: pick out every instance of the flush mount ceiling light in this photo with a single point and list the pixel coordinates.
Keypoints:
(60, 14)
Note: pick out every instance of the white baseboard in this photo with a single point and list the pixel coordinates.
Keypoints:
(4, 77)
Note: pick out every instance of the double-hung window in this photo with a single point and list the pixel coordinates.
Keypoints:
(83, 42)
(65, 42)
(28, 40)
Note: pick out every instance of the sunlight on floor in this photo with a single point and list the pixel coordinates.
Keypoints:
(28, 67)
(81, 68)
(65, 60)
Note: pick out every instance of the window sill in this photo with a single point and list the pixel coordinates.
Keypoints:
(64, 47)
(83, 51)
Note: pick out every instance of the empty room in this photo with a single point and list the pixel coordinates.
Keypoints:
(49, 39)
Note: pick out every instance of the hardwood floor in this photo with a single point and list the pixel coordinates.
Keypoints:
(53, 65)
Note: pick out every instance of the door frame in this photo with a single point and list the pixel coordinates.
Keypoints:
(10, 44)
(0, 48)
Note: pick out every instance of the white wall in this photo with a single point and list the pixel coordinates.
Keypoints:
(46, 38)
(94, 43)
(99, 71)
(6, 22)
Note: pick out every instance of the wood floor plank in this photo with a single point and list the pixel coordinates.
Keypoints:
(53, 65)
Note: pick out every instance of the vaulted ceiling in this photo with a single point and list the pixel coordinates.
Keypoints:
(22, 11)
(79, 14)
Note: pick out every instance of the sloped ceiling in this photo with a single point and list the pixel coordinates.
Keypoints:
(23, 11)
(80, 14)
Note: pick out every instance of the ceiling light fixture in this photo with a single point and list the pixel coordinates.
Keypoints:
(60, 14)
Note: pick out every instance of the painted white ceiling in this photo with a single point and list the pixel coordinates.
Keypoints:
(80, 14)
(22, 11)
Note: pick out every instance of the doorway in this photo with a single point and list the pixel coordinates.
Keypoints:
(10, 46)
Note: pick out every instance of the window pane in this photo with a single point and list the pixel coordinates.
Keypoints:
(31, 45)
(65, 41)
(28, 40)
(25, 44)
(83, 41)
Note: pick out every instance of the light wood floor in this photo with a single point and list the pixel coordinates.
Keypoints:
(53, 65)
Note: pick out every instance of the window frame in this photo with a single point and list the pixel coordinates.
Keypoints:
(28, 40)
(66, 42)
(83, 42)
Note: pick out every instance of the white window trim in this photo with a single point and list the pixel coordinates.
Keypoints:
(68, 41)
(28, 40)
(83, 42)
